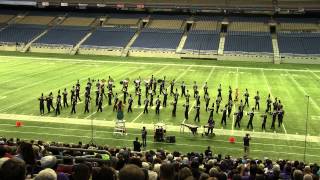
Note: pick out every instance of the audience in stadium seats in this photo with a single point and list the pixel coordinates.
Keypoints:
(21, 160)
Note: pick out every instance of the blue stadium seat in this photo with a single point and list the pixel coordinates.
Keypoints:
(20, 33)
(299, 43)
(64, 35)
(158, 38)
(110, 37)
(251, 42)
(202, 40)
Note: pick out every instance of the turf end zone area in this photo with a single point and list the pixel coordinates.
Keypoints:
(24, 78)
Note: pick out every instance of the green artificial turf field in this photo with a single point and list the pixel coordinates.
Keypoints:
(24, 77)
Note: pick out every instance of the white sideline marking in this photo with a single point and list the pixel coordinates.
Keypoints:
(186, 137)
(152, 142)
(3, 97)
(267, 135)
(148, 63)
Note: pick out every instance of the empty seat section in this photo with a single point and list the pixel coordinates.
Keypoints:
(202, 41)
(121, 22)
(165, 24)
(110, 37)
(63, 35)
(20, 33)
(41, 20)
(77, 21)
(158, 39)
(248, 42)
(299, 43)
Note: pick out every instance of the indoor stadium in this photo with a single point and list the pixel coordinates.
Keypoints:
(159, 89)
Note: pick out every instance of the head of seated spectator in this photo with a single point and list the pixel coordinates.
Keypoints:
(13, 169)
(131, 172)
(26, 153)
(81, 171)
(46, 174)
(104, 173)
(167, 172)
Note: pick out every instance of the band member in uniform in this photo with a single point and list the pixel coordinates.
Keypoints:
(58, 104)
(146, 89)
(219, 91)
(100, 102)
(275, 104)
(155, 87)
(280, 117)
(251, 115)
(78, 91)
(65, 98)
(246, 98)
(41, 101)
(73, 93)
(236, 95)
(86, 102)
(172, 87)
(49, 100)
(174, 110)
(144, 136)
(176, 95)
(195, 89)
(197, 117)
(186, 110)
(205, 89)
(207, 100)
(158, 103)
(241, 108)
(257, 99)
(130, 101)
(218, 101)
(151, 97)
(230, 93)
(224, 116)
(274, 118)
(264, 120)
(97, 94)
(269, 102)
(162, 85)
(183, 89)
(238, 117)
(137, 84)
(230, 104)
(165, 97)
(110, 95)
(139, 97)
(73, 103)
(115, 101)
(125, 93)
(146, 104)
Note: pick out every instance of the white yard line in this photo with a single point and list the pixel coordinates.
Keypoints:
(81, 79)
(237, 86)
(174, 128)
(159, 71)
(148, 63)
(303, 91)
(316, 75)
(38, 82)
(269, 89)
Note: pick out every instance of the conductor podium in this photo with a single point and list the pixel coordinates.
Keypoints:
(120, 128)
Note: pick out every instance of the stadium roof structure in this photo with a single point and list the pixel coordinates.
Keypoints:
(284, 6)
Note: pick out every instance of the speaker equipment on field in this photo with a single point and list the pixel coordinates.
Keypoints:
(170, 139)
